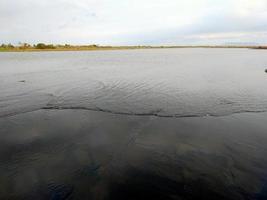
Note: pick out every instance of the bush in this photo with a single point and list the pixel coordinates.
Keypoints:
(7, 46)
(44, 46)
(24, 46)
(10, 46)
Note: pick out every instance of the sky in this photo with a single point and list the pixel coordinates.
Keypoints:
(134, 22)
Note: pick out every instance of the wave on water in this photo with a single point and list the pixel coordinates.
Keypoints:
(155, 113)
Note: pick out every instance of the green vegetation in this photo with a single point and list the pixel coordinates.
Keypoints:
(260, 47)
(6, 47)
(44, 46)
(68, 47)
(51, 47)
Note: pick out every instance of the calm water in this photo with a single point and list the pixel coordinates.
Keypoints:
(138, 124)
(168, 82)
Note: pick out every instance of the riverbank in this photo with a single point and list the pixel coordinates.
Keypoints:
(261, 47)
(95, 48)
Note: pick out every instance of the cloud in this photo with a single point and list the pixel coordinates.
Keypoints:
(133, 22)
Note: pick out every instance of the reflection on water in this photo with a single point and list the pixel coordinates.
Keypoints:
(94, 155)
(140, 124)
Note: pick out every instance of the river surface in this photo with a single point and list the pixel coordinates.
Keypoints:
(134, 124)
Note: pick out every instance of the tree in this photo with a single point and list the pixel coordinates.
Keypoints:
(24, 46)
(7, 46)
(40, 46)
(10, 46)
(44, 46)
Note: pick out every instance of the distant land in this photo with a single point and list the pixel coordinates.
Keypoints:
(25, 47)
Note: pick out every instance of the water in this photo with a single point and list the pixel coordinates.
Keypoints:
(164, 82)
(137, 124)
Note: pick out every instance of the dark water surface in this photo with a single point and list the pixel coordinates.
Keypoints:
(147, 124)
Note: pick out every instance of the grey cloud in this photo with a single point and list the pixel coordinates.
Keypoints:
(61, 21)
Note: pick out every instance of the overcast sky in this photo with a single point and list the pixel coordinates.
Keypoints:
(134, 22)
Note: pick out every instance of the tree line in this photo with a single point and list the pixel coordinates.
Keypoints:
(42, 46)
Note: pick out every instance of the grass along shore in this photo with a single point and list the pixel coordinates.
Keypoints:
(50, 47)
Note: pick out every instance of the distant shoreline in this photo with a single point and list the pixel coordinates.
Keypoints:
(96, 48)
